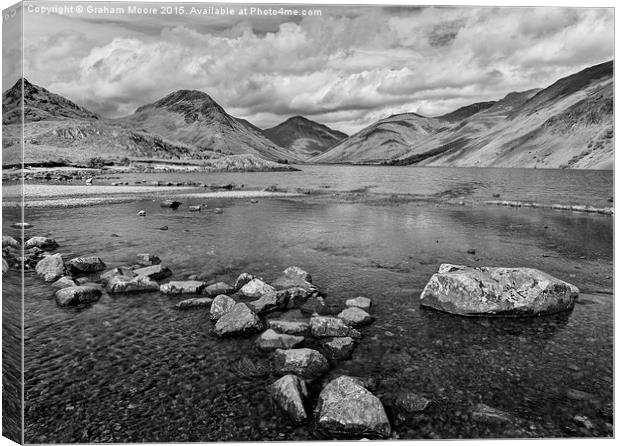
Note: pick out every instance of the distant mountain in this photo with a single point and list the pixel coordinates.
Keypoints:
(304, 137)
(39, 104)
(387, 139)
(566, 125)
(193, 118)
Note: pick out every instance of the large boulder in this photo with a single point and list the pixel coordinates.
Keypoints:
(256, 288)
(217, 289)
(493, 291)
(330, 327)
(146, 259)
(360, 302)
(240, 320)
(347, 409)
(182, 287)
(339, 348)
(194, 302)
(154, 272)
(85, 265)
(124, 284)
(289, 327)
(77, 295)
(272, 301)
(355, 317)
(51, 268)
(41, 243)
(289, 393)
(221, 305)
(303, 362)
(270, 340)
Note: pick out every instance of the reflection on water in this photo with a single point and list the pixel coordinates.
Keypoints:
(132, 368)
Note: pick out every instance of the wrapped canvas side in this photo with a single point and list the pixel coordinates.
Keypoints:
(12, 231)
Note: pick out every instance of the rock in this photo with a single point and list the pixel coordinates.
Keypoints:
(410, 402)
(194, 302)
(240, 320)
(497, 291)
(360, 302)
(182, 287)
(217, 211)
(242, 280)
(294, 272)
(141, 213)
(490, 415)
(289, 327)
(121, 271)
(154, 272)
(583, 421)
(146, 259)
(285, 282)
(314, 304)
(195, 208)
(77, 295)
(256, 288)
(20, 225)
(355, 317)
(303, 362)
(5, 266)
(579, 395)
(330, 327)
(80, 265)
(218, 288)
(270, 340)
(298, 296)
(172, 204)
(124, 284)
(51, 268)
(10, 242)
(41, 243)
(289, 393)
(339, 348)
(448, 268)
(346, 409)
(471, 251)
(82, 280)
(163, 228)
(221, 305)
(272, 301)
(64, 282)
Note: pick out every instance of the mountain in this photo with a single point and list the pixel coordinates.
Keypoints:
(193, 118)
(304, 137)
(38, 105)
(569, 124)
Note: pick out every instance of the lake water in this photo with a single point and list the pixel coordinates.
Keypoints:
(133, 368)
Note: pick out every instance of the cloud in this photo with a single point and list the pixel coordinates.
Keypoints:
(346, 68)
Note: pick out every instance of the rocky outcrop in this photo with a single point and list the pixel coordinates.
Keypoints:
(355, 317)
(51, 268)
(85, 265)
(218, 288)
(146, 259)
(339, 348)
(182, 287)
(346, 409)
(124, 284)
(154, 272)
(289, 393)
(221, 305)
(360, 302)
(256, 288)
(240, 320)
(271, 340)
(330, 327)
(41, 243)
(493, 291)
(194, 302)
(77, 295)
(272, 301)
(303, 362)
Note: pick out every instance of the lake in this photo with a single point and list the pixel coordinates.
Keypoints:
(134, 368)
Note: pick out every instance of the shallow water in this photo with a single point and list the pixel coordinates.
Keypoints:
(133, 368)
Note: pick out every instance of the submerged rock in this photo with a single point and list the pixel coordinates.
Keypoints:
(182, 287)
(154, 272)
(303, 362)
(240, 320)
(272, 301)
(410, 402)
(289, 327)
(51, 268)
(497, 291)
(242, 280)
(270, 340)
(355, 317)
(64, 282)
(256, 288)
(360, 302)
(77, 295)
(347, 409)
(146, 259)
(41, 243)
(289, 393)
(194, 302)
(218, 288)
(221, 305)
(330, 327)
(79, 265)
(339, 348)
(490, 415)
(124, 284)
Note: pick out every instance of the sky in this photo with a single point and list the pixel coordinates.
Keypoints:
(346, 68)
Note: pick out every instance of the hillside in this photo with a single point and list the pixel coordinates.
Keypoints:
(304, 137)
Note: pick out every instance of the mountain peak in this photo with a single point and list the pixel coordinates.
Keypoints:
(182, 97)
